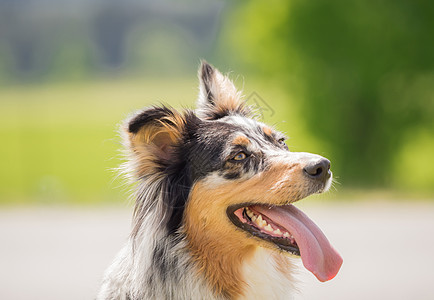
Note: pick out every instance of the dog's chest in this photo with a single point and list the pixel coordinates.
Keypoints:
(268, 276)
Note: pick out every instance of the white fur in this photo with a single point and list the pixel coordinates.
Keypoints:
(264, 280)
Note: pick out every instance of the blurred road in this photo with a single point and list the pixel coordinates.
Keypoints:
(61, 253)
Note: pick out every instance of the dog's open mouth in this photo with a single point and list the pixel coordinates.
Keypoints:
(251, 220)
(291, 230)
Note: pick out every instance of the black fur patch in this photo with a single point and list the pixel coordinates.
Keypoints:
(148, 116)
(206, 74)
(232, 175)
(162, 262)
(179, 178)
(216, 115)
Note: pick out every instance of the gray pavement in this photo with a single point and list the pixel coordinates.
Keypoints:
(61, 253)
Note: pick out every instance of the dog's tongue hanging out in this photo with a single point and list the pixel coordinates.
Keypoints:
(318, 256)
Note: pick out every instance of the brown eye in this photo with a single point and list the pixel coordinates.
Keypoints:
(281, 141)
(240, 156)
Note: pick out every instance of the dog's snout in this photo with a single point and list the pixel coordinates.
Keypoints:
(319, 169)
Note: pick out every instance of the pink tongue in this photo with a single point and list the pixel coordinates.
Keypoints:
(317, 254)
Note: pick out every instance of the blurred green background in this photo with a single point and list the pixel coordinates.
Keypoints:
(350, 80)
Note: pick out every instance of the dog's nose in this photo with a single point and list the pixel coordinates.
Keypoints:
(319, 169)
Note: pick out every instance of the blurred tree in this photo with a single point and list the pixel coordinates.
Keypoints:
(24, 40)
(111, 25)
(366, 69)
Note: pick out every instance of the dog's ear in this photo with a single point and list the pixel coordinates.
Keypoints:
(152, 136)
(218, 96)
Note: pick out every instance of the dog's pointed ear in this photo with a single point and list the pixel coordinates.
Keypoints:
(151, 136)
(218, 96)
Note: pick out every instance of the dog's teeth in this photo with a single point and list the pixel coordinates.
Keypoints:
(286, 234)
(249, 213)
(268, 228)
(277, 231)
(259, 221)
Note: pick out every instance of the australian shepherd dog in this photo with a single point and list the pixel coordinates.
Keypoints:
(214, 215)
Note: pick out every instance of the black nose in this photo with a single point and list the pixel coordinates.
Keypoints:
(319, 170)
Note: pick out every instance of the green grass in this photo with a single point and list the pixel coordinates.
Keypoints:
(60, 141)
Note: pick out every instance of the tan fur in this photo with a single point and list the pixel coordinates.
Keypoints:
(227, 98)
(268, 131)
(230, 103)
(155, 141)
(241, 140)
(219, 252)
(217, 245)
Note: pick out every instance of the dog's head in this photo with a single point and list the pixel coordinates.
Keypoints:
(227, 181)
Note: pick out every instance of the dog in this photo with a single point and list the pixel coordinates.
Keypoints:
(213, 216)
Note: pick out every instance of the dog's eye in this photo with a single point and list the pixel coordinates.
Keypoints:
(281, 141)
(240, 156)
